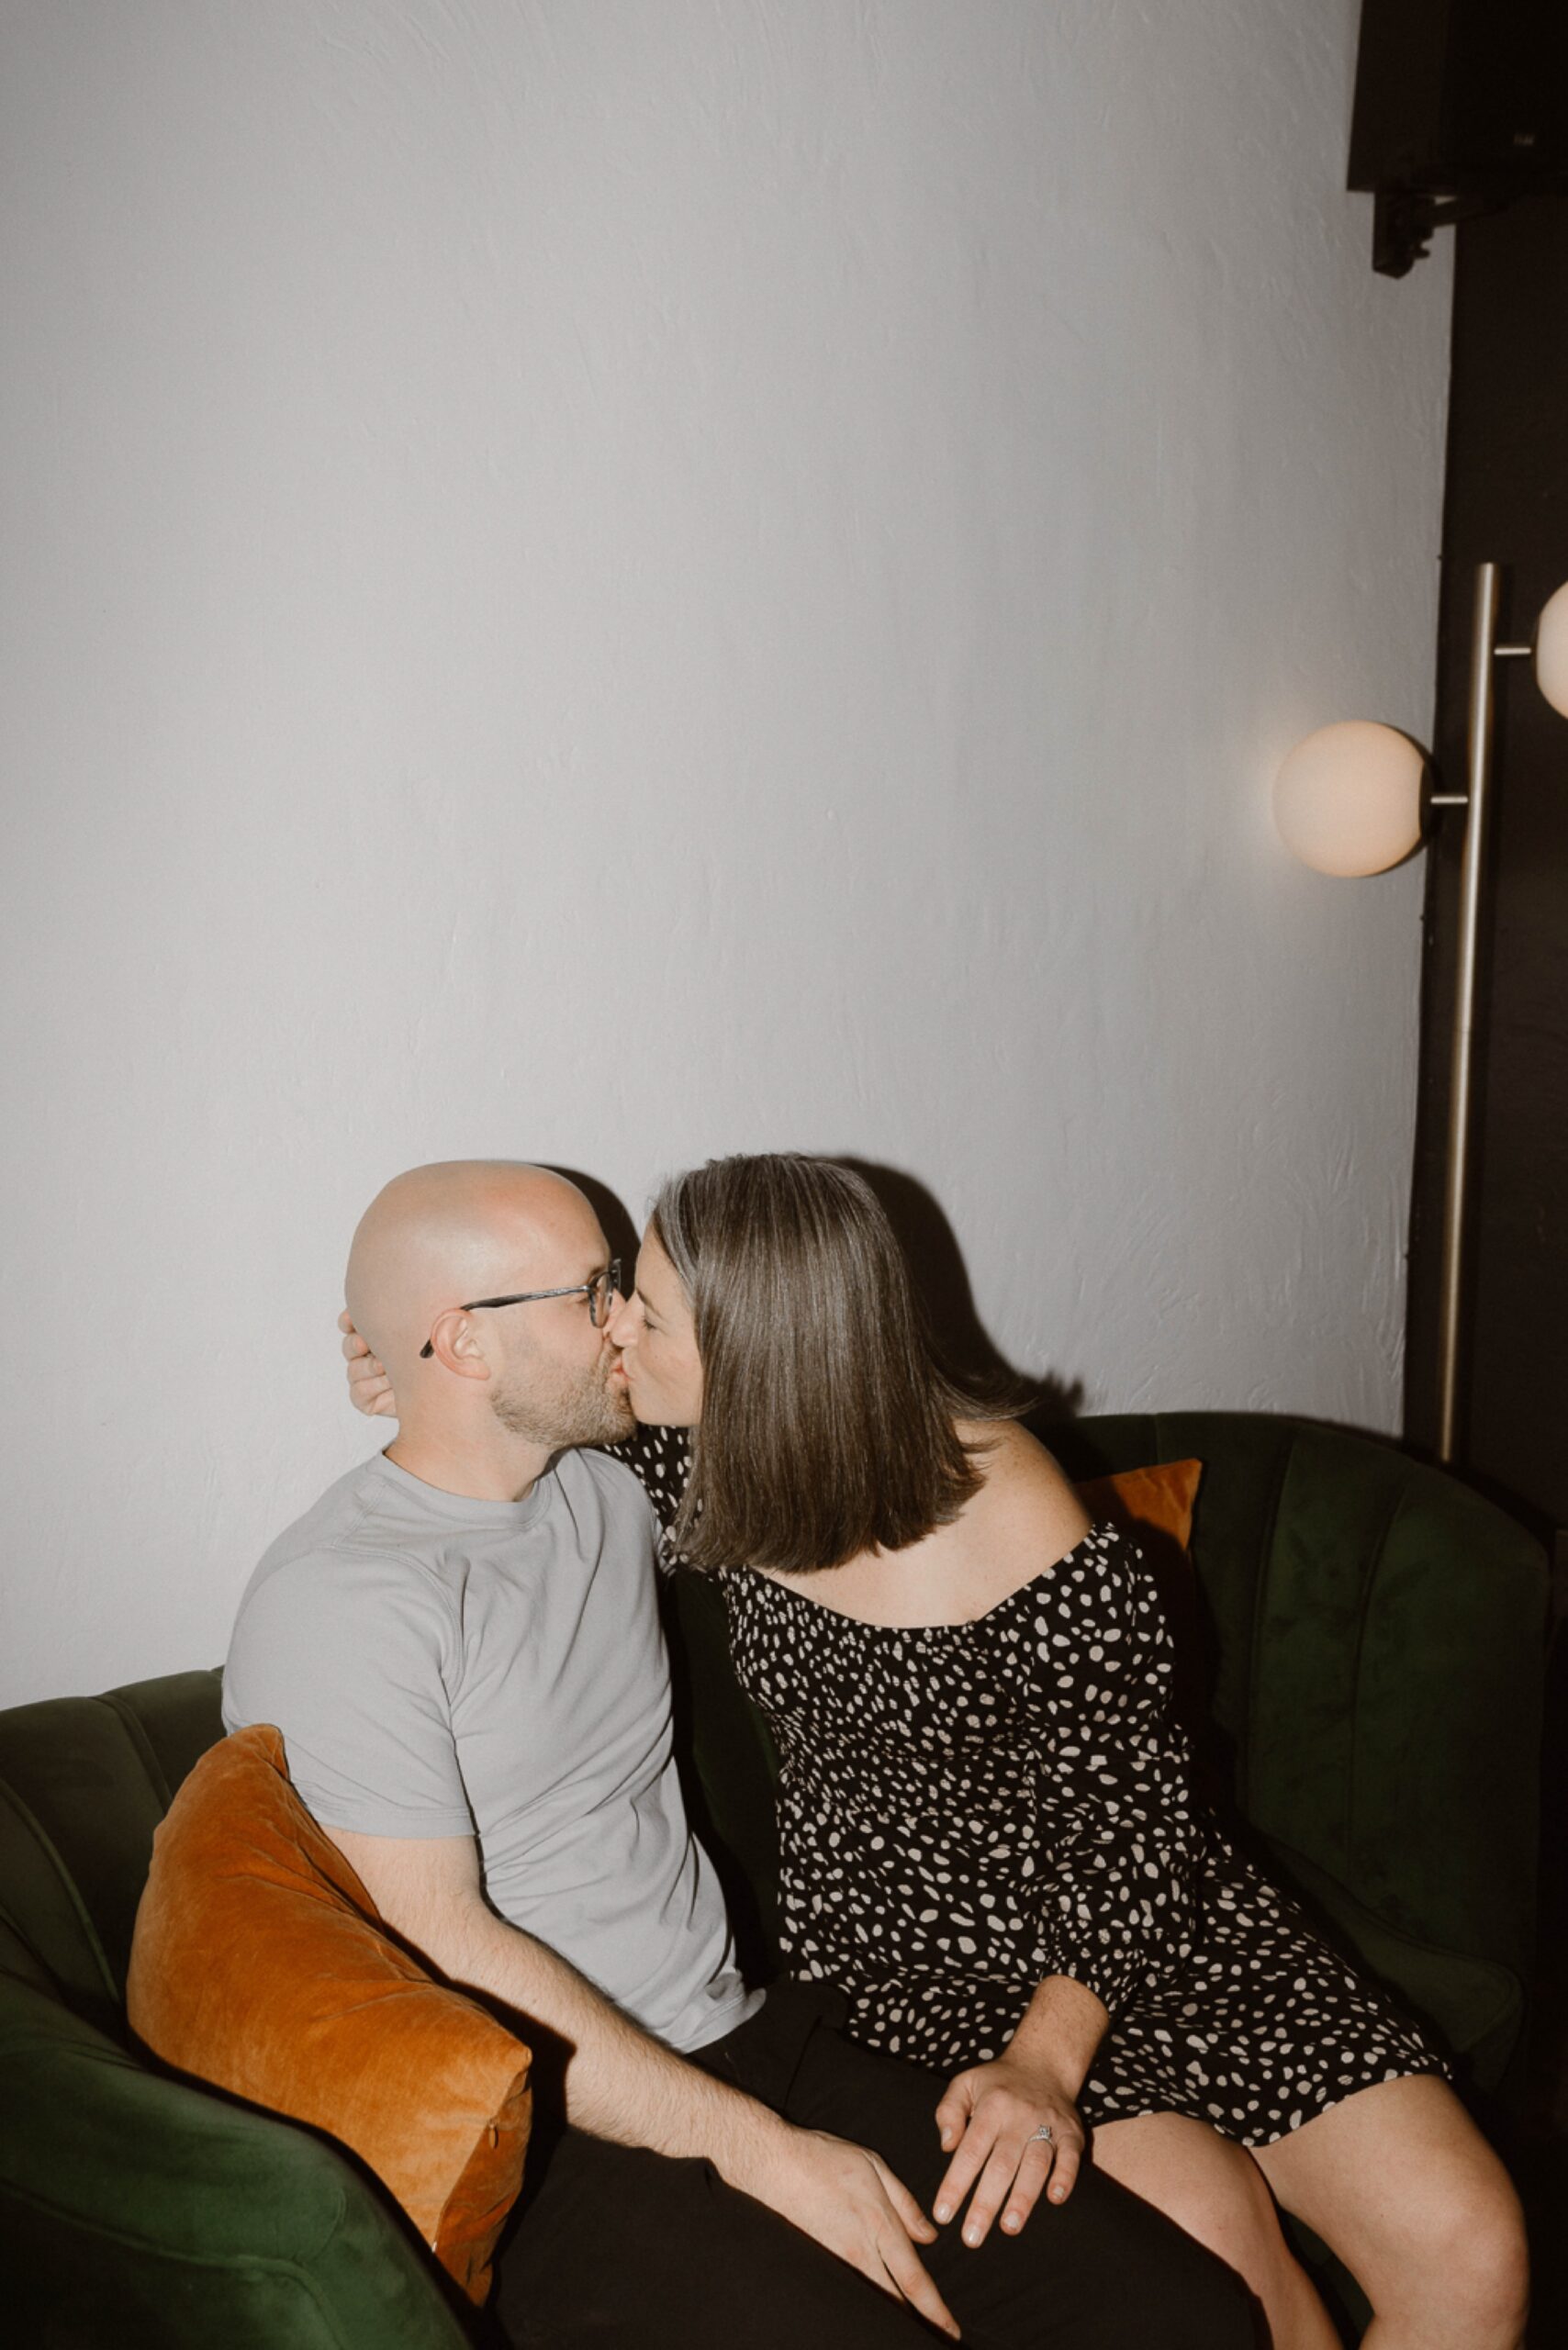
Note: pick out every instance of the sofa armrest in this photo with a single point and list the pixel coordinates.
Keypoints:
(138, 2209)
(1475, 2005)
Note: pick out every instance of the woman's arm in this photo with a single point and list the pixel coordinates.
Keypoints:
(1122, 1842)
(1123, 1837)
(992, 2115)
(1119, 1836)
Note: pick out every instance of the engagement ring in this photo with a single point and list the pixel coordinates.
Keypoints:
(1044, 2132)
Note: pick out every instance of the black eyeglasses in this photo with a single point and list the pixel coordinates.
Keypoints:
(598, 1291)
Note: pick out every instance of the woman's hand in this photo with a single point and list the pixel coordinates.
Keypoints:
(989, 2120)
(370, 1390)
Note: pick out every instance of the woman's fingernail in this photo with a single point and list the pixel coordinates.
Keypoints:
(971, 2235)
(944, 2210)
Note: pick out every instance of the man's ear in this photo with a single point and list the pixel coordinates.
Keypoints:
(455, 1343)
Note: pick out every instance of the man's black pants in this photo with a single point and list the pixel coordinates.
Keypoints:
(617, 2246)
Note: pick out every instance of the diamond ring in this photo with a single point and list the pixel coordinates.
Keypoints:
(1044, 2132)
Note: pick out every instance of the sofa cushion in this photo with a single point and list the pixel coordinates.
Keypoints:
(259, 1966)
(1158, 1500)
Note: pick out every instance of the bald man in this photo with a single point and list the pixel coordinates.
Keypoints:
(460, 1643)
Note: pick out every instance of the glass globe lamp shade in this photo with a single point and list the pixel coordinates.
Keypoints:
(1347, 800)
(1552, 649)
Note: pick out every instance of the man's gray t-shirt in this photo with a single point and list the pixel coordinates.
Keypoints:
(440, 1666)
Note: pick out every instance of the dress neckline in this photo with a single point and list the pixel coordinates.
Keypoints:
(931, 1631)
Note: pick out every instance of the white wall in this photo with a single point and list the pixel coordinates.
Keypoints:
(616, 579)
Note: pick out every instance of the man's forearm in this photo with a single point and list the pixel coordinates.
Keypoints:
(620, 2083)
(623, 2084)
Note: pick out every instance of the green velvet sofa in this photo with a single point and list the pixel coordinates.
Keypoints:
(1365, 1635)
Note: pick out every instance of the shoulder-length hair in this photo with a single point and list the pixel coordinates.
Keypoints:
(827, 1425)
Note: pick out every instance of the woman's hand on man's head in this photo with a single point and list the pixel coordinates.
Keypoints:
(370, 1390)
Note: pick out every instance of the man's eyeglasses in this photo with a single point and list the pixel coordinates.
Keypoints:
(599, 1293)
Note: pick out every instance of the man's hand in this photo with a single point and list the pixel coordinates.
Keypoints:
(622, 2085)
(848, 2199)
(988, 2118)
(370, 1390)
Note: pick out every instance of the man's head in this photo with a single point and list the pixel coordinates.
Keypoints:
(440, 1238)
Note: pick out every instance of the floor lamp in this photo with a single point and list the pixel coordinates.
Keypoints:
(1350, 799)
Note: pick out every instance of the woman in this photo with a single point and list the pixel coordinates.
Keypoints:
(988, 1841)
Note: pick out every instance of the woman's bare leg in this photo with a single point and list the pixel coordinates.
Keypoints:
(1398, 2182)
(1214, 2189)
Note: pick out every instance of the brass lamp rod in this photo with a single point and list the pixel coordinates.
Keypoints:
(1456, 1203)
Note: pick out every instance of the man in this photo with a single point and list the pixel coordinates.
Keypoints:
(460, 1644)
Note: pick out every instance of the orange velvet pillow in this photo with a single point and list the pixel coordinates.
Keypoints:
(1162, 1498)
(258, 1964)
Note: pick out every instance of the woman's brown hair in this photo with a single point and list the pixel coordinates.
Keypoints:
(828, 1427)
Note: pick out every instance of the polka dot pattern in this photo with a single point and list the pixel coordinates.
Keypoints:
(964, 1809)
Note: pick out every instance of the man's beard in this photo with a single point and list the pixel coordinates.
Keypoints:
(585, 1410)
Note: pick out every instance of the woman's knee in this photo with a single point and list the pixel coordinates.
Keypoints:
(1210, 2187)
(1399, 2182)
(1468, 2251)
(1445, 2251)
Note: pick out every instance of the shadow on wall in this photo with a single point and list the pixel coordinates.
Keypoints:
(617, 1226)
(941, 1279)
(941, 1283)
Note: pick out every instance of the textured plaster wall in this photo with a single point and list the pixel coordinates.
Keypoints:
(617, 580)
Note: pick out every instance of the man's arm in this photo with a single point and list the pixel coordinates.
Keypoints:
(625, 2085)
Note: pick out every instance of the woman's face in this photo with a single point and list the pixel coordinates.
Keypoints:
(652, 1328)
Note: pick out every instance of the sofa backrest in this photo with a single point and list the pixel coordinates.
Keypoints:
(1367, 1639)
(1376, 1651)
(83, 1782)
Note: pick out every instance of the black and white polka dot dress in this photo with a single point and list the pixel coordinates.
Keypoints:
(964, 1809)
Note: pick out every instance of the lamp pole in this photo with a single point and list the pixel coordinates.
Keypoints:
(1476, 797)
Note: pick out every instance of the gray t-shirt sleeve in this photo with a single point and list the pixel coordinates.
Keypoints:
(350, 1659)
